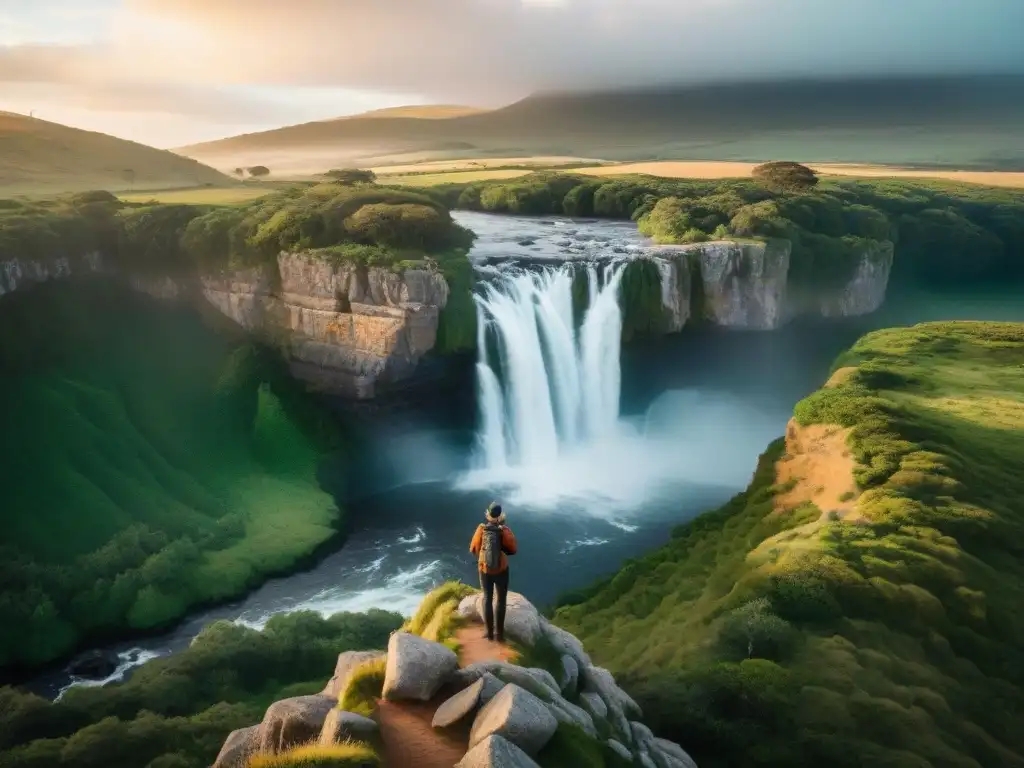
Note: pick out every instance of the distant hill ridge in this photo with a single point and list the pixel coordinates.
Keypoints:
(972, 122)
(37, 156)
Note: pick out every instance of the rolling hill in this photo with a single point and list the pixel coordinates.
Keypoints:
(37, 156)
(960, 122)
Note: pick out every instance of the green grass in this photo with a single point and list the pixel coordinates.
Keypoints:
(570, 746)
(894, 641)
(137, 470)
(203, 195)
(349, 755)
(452, 177)
(435, 619)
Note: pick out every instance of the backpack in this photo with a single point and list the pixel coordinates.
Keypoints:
(490, 548)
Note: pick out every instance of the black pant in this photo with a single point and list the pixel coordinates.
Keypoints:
(488, 583)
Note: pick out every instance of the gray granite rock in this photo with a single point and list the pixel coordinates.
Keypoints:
(674, 755)
(238, 747)
(293, 721)
(570, 675)
(522, 620)
(416, 668)
(342, 726)
(496, 752)
(570, 714)
(620, 750)
(594, 704)
(517, 715)
(459, 706)
(346, 664)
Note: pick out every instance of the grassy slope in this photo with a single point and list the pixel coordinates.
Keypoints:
(112, 418)
(37, 157)
(896, 642)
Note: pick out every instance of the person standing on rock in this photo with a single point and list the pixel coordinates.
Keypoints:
(492, 543)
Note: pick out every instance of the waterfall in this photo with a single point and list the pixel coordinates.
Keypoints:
(556, 387)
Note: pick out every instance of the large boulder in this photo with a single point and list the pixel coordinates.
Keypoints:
(343, 726)
(619, 749)
(346, 664)
(496, 752)
(569, 676)
(542, 686)
(293, 721)
(238, 747)
(600, 680)
(459, 706)
(522, 620)
(517, 715)
(668, 754)
(570, 714)
(565, 642)
(416, 667)
(594, 704)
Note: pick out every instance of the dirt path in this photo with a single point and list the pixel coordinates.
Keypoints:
(820, 466)
(405, 727)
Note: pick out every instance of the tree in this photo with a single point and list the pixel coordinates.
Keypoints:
(240, 172)
(351, 176)
(258, 171)
(785, 176)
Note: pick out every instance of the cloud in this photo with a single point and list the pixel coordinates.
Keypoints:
(493, 49)
(238, 61)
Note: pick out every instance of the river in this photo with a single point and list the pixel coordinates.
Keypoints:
(692, 414)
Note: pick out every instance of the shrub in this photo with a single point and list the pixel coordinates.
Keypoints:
(365, 686)
(349, 755)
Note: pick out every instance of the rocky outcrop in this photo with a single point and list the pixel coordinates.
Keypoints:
(293, 721)
(744, 284)
(517, 716)
(18, 274)
(416, 668)
(865, 291)
(510, 712)
(238, 747)
(347, 328)
(347, 663)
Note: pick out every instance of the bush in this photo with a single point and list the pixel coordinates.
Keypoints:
(785, 176)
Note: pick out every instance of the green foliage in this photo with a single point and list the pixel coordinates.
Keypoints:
(932, 224)
(762, 635)
(640, 291)
(258, 171)
(151, 238)
(785, 176)
(176, 711)
(351, 176)
(153, 467)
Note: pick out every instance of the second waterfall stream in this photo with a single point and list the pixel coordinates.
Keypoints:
(546, 385)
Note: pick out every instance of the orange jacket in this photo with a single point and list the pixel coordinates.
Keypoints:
(508, 545)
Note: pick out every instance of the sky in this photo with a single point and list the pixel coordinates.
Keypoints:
(175, 72)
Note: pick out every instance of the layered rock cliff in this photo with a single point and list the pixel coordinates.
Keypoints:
(746, 284)
(347, 328)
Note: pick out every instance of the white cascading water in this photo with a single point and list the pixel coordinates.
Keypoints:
(558, 387)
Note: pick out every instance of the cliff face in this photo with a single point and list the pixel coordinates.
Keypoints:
(865, 291)
(18, 274)
(745, 285)
(347, 328)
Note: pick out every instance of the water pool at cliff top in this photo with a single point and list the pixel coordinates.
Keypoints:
(693, 413)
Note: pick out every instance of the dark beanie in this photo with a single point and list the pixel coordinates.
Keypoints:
(494, 509)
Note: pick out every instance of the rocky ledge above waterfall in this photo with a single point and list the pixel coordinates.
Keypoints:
(749, 284)
(347, 328)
